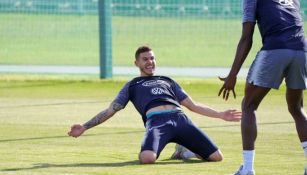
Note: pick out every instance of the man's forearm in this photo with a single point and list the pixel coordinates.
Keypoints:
(103, 115)
(207, 111)
(243, 48)
(98, 119)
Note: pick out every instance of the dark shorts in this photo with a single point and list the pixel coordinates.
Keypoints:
(176, 127)
(272, 66)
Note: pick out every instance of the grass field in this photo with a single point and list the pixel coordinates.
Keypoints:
(36, 113)
(72, 39)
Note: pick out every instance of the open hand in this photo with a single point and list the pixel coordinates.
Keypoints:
(231, 115)
(229, 85)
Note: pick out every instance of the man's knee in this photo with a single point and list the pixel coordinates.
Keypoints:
(295, 103)
(249, 106)
(216, 156)
(295, 110)
(147, 157)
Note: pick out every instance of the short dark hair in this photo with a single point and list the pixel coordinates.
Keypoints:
(142, 49)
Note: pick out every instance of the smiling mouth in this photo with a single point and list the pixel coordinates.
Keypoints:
(150, 67)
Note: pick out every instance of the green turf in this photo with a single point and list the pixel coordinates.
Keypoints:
(73, 40)
(68, 39)
(35, 115)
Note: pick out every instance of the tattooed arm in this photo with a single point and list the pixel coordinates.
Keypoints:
(103, 115)
(119, 103)
(77, 129)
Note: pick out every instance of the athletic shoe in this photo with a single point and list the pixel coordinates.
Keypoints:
(239, 172)
(305, 171)
(179, 150)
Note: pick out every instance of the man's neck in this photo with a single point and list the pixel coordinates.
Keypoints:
(145, 75)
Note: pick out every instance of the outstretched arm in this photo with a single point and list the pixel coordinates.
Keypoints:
(228, 115)
(243, 49)
(78, 129)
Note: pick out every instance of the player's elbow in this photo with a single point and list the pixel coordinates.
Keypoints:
(192, 107)
(246, 41)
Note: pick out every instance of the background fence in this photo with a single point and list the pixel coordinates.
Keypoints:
(128, 7)
(161, 8)
(65, 32)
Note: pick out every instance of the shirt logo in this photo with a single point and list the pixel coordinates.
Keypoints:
(157, 91)
(287, 3)
(154, 83)
(140, 81)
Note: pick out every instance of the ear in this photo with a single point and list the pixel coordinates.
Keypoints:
(136, 63)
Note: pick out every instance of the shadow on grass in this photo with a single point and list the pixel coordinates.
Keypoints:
(89, 165)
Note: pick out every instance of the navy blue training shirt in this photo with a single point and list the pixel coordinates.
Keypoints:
(150, 91)
(279, 21)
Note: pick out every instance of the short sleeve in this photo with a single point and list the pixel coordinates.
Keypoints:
(179, 92)
(123, 96)
(249, 10)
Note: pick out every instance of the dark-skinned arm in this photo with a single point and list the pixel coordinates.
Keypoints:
(243, 48)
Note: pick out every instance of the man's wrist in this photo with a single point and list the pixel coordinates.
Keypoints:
(221, 115)
(85, 126)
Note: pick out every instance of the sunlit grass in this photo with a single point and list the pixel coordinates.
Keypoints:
(35, 116)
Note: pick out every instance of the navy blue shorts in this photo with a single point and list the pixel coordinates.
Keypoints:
(176, 127)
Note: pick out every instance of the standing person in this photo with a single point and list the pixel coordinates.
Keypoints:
(283, 55)
(158, 99)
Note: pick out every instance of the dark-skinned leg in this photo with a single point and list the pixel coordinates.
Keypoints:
(252, 99)
(295, 106)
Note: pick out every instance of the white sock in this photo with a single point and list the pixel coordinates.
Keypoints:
(248, 156)
(304, 145)
(188, 154)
